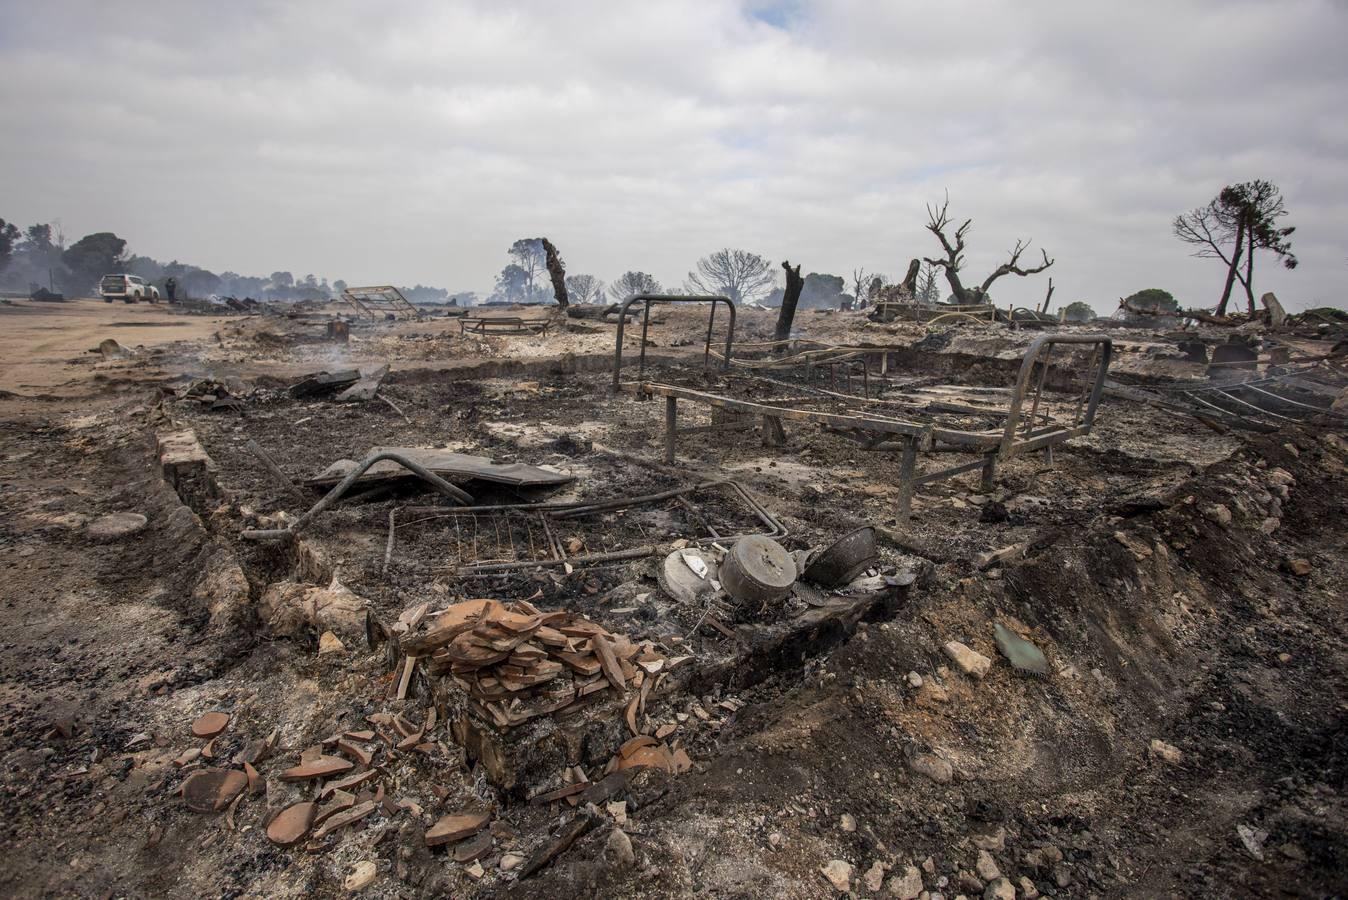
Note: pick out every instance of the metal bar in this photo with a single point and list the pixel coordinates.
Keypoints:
(907, 463)
(270, 465)
(706, 352)
(720, 426)
(1245, 422)
(1027, 369)
(1085, 384)
(1039, 388)
(388, 547)
(948, 473)
(892, 426)
(1287, 400)
(671, 419)
(989, 472)
(1258, 409)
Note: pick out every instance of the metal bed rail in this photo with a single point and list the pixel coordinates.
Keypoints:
(1022, 431)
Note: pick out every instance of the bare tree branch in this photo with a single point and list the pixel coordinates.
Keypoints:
(1012, 267)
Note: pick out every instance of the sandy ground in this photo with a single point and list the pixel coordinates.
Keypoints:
(39, 341)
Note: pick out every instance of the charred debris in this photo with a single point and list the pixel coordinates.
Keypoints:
(567, 559)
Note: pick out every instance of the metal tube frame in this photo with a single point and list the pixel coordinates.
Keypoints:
(648, 299)
(1042, 346)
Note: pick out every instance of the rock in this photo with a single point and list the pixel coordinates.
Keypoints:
(475, 871)
(874, 878)
(1027, 888)
(993, 840)
(935, 768)
(1062, 875)
(847, 822)
(116, 526)
(361, 877)
(914, 679)
(1282, 477)
(970, 662)
(330, 643)
(775, 839)
(929, 866)
(292, 609)
(999, 889)
(112, 350)
(908, 885)
(969, 882)
(1292, 852)
(1299, 567)
(618, 850)
(1043, 858)
(839, 874)
(223, 589)
(1218, 513)
(510, 861)
(986, 867)
(1166, 752)
(1253, 840)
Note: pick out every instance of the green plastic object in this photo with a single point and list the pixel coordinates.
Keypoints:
(1023, 656)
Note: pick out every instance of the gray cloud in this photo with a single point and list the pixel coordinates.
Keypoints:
(415, 143)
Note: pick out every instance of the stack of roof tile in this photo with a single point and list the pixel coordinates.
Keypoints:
(516, 662)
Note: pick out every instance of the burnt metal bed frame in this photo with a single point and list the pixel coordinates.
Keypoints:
(856, 418)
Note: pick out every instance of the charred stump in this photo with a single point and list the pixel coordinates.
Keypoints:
(556, 271)
(909, 283)
(794, 285)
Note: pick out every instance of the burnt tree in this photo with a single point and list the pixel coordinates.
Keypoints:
(953, 263)
(794, 285)
(556, 271)
(909, 283)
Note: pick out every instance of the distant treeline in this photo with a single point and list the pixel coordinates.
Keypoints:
(37, 257)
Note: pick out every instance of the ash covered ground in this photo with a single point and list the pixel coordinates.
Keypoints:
(1182, 578)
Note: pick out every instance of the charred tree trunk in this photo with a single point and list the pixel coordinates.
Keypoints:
(556, 271)
(1231, 271)
(794, 285)
(1249, 265)
(910, 280)
(1048, 296)
(957, 287)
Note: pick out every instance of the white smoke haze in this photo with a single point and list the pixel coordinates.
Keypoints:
(413, 143)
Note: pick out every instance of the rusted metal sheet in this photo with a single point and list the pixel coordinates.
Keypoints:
(443, 463)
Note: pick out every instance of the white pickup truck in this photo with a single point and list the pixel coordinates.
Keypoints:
(128, 288)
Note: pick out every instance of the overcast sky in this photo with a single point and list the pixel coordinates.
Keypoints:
(413, 142)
